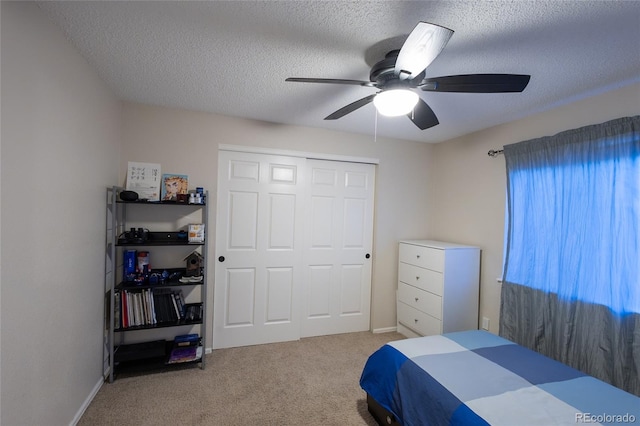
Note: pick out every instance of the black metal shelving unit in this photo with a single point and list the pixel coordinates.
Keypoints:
(152, 354)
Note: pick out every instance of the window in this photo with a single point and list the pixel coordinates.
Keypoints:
(574, 220)
(571, 281)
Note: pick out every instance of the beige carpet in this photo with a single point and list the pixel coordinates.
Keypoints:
(314, 381)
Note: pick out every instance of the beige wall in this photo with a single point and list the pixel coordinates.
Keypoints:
(60, 142)
(187, 142)
(468, 201)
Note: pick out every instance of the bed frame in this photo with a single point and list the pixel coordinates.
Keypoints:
(382, 416)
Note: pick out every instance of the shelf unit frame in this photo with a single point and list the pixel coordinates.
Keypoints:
(116, 225)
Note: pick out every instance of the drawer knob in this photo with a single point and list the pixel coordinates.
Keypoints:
(417, 256)
(415, 320)
(416, 299)
(417, 278)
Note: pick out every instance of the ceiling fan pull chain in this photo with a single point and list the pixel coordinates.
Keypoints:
(375, 127)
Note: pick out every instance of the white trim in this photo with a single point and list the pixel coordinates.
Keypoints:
(87, 401)
(384, 330)
(301, 154)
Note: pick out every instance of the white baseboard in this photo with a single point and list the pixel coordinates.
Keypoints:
(384, 330)
(87, 401)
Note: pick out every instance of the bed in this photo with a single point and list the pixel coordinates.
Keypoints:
(478, 378)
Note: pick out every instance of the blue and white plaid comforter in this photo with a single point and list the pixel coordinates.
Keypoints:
(478, 378)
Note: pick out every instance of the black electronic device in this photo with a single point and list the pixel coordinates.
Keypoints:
(135, 236)
(129, 196)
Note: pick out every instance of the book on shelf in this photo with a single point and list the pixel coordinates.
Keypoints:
(175, 305)
(167, 311)
(193, 312)
(154, 318)
(151, 306)
(185, 354)
(124, 314)
(136, 308)
(186, 348)
(117, 320)
(179, 297)
(186, 340)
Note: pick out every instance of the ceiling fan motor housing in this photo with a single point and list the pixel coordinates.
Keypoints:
(383, 73)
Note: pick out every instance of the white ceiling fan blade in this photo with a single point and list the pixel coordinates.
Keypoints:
(423, 45)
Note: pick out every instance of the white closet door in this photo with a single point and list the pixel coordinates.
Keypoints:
(338, 243)
(259, 234)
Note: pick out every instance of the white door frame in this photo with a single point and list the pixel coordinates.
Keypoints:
(301, 154)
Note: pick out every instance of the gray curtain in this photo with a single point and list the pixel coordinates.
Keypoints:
(571, 281)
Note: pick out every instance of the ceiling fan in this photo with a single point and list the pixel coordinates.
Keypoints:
(402, 71)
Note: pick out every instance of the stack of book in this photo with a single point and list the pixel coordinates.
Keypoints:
(153, 306)
(186, 348)
(193, 312)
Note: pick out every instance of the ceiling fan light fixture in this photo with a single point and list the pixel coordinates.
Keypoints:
(396, 102)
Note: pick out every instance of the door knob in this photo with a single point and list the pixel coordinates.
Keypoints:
(367, 255)
(221, 258)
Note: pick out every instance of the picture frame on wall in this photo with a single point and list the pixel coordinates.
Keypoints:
(174, 184)
(144, 179)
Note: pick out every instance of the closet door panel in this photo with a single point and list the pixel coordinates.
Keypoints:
(278, 297)
(243, 220)
(339, 236)
(259, 228)
(321, 222)
(318, 300)
(282, 221)
(353, 222)
(240, 294)
(351, 302)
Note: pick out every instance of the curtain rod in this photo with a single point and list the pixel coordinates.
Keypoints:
(494, 153)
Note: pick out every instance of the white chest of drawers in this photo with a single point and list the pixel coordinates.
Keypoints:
(438, 287)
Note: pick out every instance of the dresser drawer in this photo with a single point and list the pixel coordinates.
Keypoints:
(419, 322)
(425, 279)
(425, 257)
(422, 300)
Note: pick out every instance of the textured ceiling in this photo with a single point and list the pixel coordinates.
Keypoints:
(232, 57)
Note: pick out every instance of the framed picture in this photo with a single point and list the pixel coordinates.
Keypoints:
(144, 178)
(172, 185)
